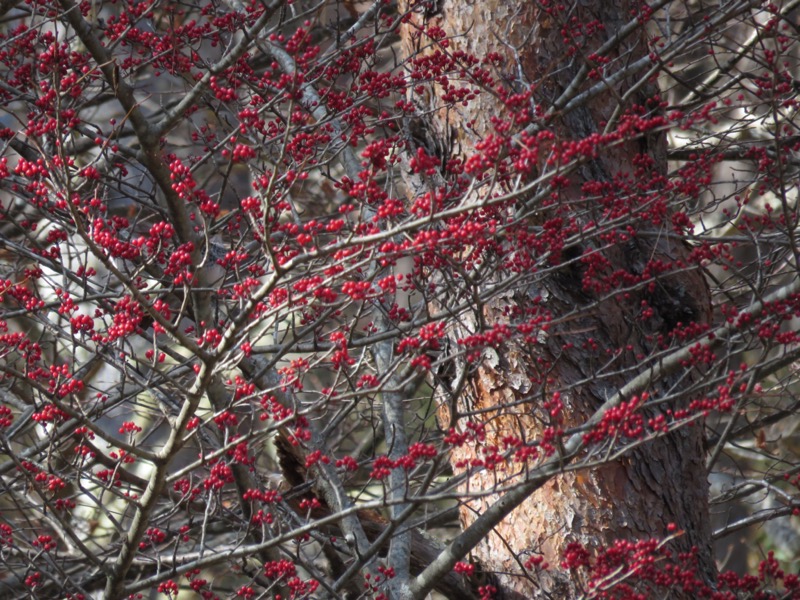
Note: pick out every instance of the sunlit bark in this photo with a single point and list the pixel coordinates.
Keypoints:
(662, 482)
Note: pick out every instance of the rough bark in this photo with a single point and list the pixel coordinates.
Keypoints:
(661, 482)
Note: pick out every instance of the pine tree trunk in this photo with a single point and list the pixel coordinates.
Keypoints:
(662, 482)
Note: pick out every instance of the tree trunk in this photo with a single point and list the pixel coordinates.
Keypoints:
(599, 340)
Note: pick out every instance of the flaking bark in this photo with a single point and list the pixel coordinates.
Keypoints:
(662, 482)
